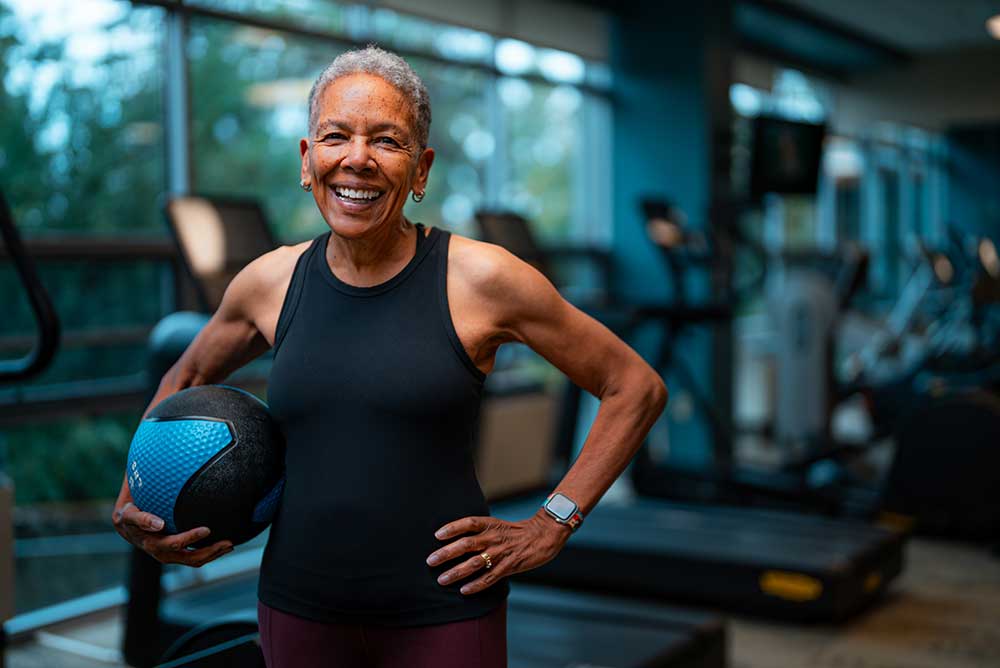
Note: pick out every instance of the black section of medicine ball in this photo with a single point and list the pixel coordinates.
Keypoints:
(223, 493)
(208, 401)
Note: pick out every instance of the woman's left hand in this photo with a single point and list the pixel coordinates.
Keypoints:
(513, 547)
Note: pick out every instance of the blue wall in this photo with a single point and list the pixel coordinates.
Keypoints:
(660, 133)
(662, 64)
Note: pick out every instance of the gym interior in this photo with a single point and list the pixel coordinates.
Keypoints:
(789, 208)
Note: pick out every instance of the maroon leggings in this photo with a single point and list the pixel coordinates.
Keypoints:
(289, 641)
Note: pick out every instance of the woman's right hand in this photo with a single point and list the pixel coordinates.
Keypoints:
(144, 530)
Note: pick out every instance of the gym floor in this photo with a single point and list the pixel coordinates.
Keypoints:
(941, 613)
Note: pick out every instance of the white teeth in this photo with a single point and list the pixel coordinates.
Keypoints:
(357, 194)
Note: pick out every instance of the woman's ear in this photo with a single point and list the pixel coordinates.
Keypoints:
(424, 163)
(305, 173)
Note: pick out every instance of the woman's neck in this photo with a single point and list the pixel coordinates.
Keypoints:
(374, 258)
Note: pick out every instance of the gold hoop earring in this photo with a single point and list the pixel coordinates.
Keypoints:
(418, 198)
(306, 186)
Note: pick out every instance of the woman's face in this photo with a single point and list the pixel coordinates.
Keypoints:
(363, 159)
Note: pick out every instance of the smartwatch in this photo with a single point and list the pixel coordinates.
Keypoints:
(563, 510)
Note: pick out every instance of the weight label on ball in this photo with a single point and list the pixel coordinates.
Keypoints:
(134, 479)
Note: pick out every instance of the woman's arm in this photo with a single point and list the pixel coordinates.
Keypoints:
(230, 339)
(525, 307)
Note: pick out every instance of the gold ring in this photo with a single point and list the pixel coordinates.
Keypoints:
(486, 558)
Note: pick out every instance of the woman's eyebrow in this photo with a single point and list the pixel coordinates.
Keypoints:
(328, 124)
(380, 127)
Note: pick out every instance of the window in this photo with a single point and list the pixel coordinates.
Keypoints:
(333, 17)
(81, 160)
(63, 469)
(82, 142)
(543, 123)
(248, 107)
(848, 209)
(464, 143)
(890, 244)
(503, 141)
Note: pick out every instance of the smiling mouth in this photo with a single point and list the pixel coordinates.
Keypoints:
(357, 196)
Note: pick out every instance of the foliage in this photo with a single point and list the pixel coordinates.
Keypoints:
(77, 459)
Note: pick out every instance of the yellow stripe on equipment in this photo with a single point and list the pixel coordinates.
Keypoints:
(790, 586)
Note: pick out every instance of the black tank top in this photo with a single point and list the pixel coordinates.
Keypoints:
(379, 404)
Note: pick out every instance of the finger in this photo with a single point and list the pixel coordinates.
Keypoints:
(488, 579)
(464, 525)
(182, 541)
(466, 569)
(172, 554)
(457, 549)
(132, 516)
(199, 558)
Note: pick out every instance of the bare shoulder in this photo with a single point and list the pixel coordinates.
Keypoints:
(494, 277)
(258, 290)
(489, 269)
(474, 261)
(274, 267)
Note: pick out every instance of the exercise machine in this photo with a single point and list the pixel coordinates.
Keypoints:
(805, 293)
(933, 363)
(770, 563)
(11, 371)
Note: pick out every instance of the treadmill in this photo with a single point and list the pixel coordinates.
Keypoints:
(772, 563)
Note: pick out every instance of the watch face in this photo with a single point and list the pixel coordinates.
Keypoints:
(561, 507)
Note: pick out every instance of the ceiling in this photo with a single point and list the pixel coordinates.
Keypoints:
(912, 26)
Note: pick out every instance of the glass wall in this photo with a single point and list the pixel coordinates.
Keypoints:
(464, 142)
(542, 146)
(81, 158)
(501, 141)
(248, 90)
(84, 161)
(82, 140)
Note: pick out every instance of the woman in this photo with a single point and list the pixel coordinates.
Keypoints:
(382, 552)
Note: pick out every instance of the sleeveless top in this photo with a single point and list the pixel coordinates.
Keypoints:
(379, 404)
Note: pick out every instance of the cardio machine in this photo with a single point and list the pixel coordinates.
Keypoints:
(11, 371)
(805, 293)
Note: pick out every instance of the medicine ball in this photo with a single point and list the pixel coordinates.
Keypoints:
(209, 456)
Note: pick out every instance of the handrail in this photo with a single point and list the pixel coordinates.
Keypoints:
(41, 305)
(104, 248)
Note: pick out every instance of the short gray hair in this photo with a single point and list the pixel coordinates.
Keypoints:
(386, 65)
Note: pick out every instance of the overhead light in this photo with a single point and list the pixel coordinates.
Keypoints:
(993, 26)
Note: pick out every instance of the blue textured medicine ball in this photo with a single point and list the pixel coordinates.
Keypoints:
(209, 456)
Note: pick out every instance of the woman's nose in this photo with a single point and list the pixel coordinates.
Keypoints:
(358, 155)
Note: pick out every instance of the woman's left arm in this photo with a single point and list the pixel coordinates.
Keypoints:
(525, 307)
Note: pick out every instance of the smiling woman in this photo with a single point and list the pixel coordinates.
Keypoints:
(383, 332)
